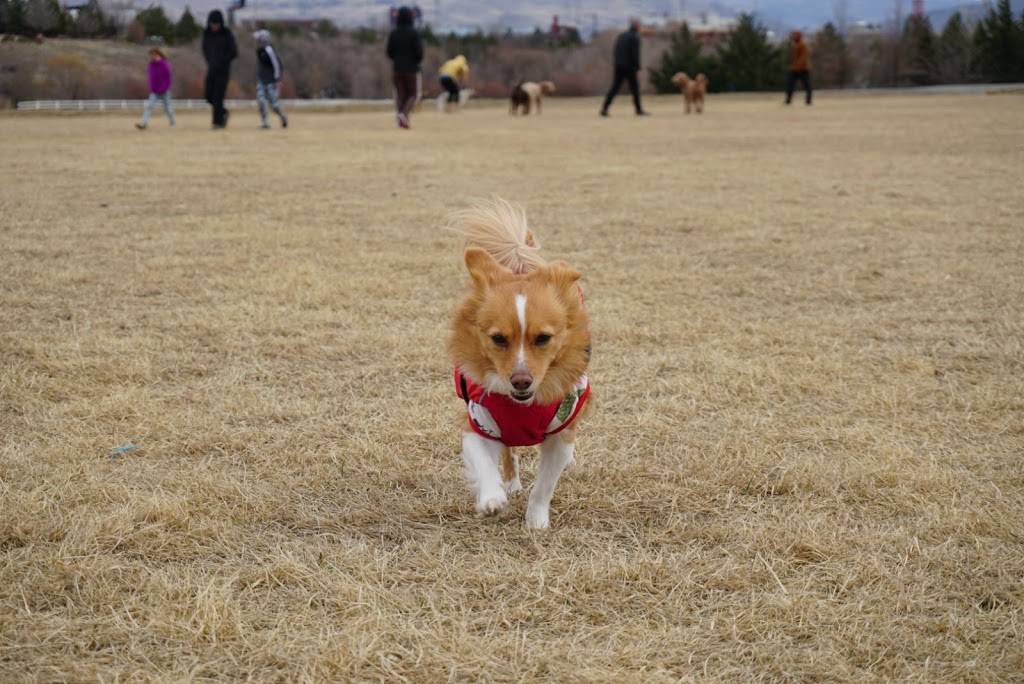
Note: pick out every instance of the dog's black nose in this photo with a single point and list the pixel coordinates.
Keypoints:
(521, 381)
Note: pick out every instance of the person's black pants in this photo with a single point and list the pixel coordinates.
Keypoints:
(629, 76)
(791, 79)
(216, 88)
(406, 86)
(452, 86)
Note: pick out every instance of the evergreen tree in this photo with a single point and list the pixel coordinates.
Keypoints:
(747, 61)
(954, 51)
(187, 29)
(919, 53)
(682, 55)
(155, 23)
(830, 58)
(999, 45)
(325, 28)
(93, 22)
(16, 18)
(46, 17)
(429, 37)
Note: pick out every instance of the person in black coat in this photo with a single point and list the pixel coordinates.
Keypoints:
(627, 65)
(405, 50)
(219, 50)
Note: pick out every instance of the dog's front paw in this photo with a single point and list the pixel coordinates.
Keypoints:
(492, 504)
(537, 518)
(513, 486)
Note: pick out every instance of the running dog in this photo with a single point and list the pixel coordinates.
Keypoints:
(520, 346)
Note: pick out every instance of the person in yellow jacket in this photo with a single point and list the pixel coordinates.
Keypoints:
(453, 76)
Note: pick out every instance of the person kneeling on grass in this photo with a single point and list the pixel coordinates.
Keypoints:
(268, 75)
(454, 73)
(159, 87)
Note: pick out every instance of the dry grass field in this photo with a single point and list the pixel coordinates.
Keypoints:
(807, 461)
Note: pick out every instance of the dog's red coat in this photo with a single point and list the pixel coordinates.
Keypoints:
(520, 424)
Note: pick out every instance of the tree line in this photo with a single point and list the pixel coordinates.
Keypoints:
(49, 18)
(748, 61)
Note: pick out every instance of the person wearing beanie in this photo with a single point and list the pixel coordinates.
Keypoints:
(219, 50)
(405, 50)
(268, 76)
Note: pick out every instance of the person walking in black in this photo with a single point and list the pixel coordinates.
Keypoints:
(219, 50)
(627, 65)
(405, 50)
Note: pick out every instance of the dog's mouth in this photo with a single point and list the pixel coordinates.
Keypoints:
(522, 397)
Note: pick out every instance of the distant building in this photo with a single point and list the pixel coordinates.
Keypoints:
(286, 26)
(863, 28)
(563, 33)
(75, 7)
(710, 30)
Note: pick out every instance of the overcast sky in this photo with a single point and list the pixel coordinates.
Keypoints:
(524, 15)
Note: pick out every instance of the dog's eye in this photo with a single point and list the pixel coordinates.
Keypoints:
(499, 340)
(541, 340)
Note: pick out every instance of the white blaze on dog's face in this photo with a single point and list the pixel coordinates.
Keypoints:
(522, 335)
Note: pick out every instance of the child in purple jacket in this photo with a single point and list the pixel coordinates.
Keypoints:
(159, 86)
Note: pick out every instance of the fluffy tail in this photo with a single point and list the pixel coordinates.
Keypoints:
(499, 228)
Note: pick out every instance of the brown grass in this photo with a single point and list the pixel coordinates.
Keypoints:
(806, 463)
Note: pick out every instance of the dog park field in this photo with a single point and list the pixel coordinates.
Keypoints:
(230, 438)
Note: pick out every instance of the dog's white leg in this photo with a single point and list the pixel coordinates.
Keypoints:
(555, 453)
(481, 458)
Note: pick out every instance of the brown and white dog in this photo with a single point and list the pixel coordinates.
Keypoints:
(528, 95)
(520, 346)
(693, 90)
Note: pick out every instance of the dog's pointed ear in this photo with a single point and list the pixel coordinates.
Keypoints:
(562, 276)
(482, 267)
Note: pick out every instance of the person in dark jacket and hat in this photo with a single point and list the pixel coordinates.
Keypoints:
(268, 76)
(405, 50)
(627, 65)
(219, 50)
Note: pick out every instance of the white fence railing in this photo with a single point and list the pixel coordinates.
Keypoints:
(114, 105)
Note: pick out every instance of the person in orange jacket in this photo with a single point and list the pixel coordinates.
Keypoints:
(799, 67)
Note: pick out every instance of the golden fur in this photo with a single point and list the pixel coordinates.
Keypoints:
(693, 90)
(499, 228)
(503, 261)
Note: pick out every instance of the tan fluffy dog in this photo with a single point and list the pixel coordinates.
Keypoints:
(534, 93)
(693, 90)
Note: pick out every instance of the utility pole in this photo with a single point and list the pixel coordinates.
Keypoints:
(897, 30)
(840, 15)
